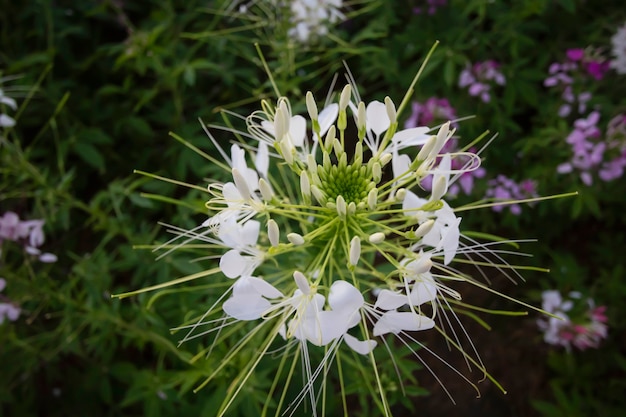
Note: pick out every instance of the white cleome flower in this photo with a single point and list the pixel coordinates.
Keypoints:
(618, 50)
(331, 242)
(311, 18)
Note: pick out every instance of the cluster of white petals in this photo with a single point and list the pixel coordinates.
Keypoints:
(310, 213)
(618, 50)
(310, 18)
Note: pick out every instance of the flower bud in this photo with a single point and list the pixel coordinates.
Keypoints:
(400, 194)
(311, 106)
(426, 149)
(295, 239)
(344, 99)
(266, 190)
(385, 158)
(442, 137)
(440, 188)
(355, 250)
(302, 282)
(318, 194)
(272, 232)
(330, 138)
(305, 186)
(372, 199)
(424, 228)
(377, 172)
(342, 207)
(376, 237)
(361, 121)
(391, 110)
(286, 148)
(241, 184)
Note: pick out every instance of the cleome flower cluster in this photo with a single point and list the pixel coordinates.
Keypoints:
(330, 243)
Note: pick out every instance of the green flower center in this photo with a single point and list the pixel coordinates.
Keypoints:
(351, 182)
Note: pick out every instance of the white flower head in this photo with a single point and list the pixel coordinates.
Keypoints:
(330, 240)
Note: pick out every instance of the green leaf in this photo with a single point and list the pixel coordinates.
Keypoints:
(90, 155)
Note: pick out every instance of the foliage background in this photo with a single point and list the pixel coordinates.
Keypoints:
(104, 83)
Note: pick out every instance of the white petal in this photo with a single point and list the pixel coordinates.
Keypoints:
(400, 163)
(343, 296)
(377, 118)
(396, 322)
(231, 194)
(423, 292)
(324, 328)
(241, 182)
(268, 127)
(232, 264)
(362, 347)
(6, 121)
(297, 130)
(327, 117)
(238, 157)
(8, 101)
(262, 160)
(390, 300)
(246, 307)
(264, 288)
(450, 241)
(301, 282)
(415, 136)
(412, 201)
(48, 257)
(249, 233)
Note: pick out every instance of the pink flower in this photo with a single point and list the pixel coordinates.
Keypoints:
(480, 77)
(582, 331)
(507, 190)
(29, 233)
(8, 310)
(575, 54)
(433, 110)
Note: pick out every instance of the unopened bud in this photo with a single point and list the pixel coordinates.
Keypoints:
(286, 148)
(342, 207)
(401, 194)
(241, 184)
(361, 120)
(344, 99)
(301, 282)
(426, 149)
(442, 138)
(355, 250)
(376, 237)
(318, 194)
(377, 172)
(311, 164)
(330, 138)
(372, 199)
(272, 232)
(311, 106)
(295, 239)
(266, 190)
(385, 158)
(358, 154)
(440, 188)
(305, 185)
(391, 110)
(337, 147)
(424, 228)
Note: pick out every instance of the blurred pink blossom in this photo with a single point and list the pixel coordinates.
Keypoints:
(580, 323)
(480, 77)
